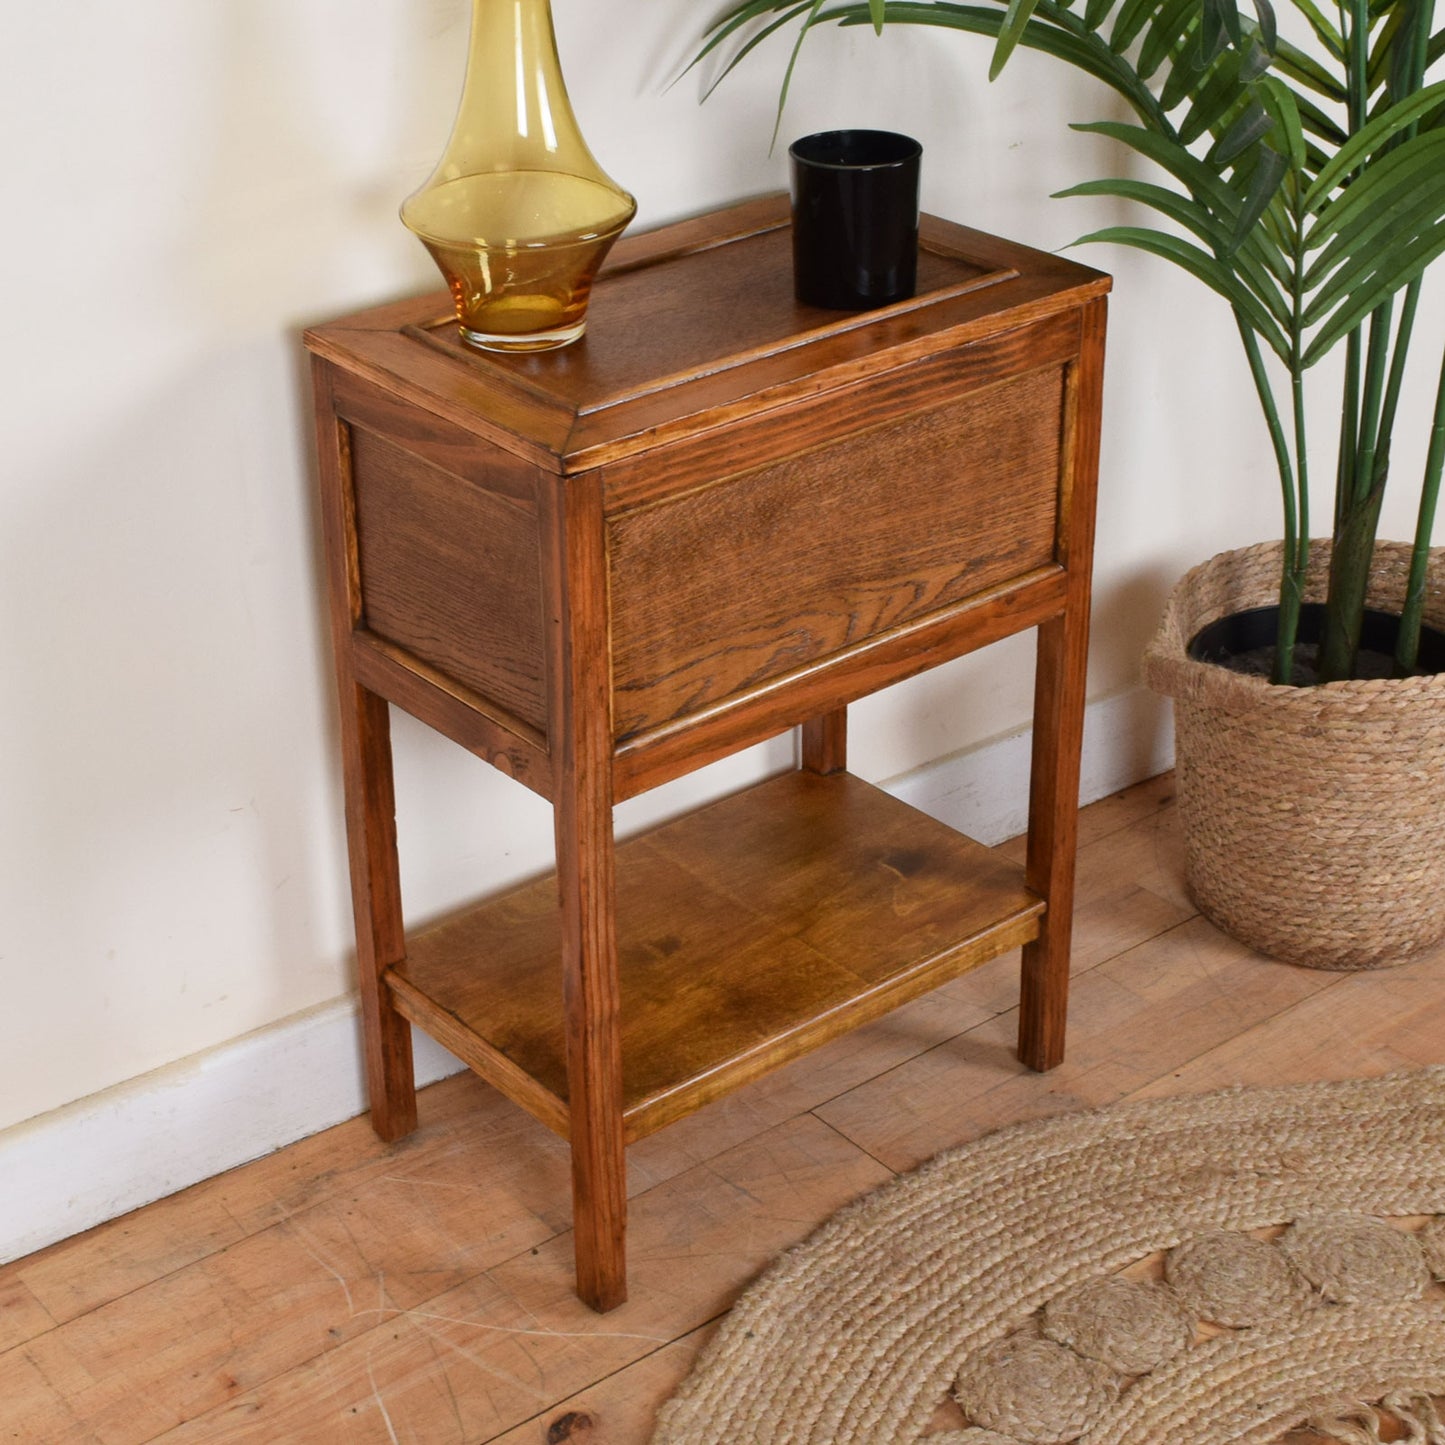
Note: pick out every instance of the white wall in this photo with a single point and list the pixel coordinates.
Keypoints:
(189, 183)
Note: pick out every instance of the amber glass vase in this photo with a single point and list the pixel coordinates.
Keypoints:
(518, 214)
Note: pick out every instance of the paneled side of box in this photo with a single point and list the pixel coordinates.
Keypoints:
(450, 567)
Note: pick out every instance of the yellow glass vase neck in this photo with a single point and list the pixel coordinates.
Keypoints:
(515, 113)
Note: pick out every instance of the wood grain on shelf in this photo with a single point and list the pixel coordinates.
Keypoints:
(749, 932)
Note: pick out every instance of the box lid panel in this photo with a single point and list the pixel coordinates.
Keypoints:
(695, 324)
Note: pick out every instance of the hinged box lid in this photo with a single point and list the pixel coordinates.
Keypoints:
(692, 325)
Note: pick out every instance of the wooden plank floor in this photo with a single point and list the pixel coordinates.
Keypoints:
(347, 1291)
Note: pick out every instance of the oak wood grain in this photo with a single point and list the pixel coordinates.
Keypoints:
(604, 398)
(808, 905)
(823, 745)
(620, 1410)
(1138, 1017)
(673, 320)
(773, 706)
(370, 801)
(484, 1357)
(767, 572)
(476, 723)
(22, 1316)
(718, 516)
(450, 573)
(883, 396)
(433, 440)
(1059, 695)
(580, 734)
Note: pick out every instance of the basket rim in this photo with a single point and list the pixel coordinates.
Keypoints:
(1168, 668)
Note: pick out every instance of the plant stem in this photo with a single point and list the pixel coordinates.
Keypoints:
(1349, 427)
(1357, 503)
(1407, 648)
(1413, 77)
(1292, 573)
(1358, 63)
(1354, 548)
(1376, 368)
(1397, 365)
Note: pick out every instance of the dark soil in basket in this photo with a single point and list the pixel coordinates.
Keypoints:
(1244, 642)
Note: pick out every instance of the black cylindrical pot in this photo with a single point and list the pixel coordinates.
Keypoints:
(855, 218)
(1253, 630)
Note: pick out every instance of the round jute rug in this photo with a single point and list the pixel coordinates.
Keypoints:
(1218, 1268)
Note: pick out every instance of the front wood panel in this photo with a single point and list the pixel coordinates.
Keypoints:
(451, 574)
(776, 569)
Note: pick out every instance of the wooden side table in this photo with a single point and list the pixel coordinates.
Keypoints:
(719, 516)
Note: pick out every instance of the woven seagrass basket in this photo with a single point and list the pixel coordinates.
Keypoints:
(1314, 818)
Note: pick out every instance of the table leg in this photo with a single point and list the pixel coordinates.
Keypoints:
(1053, 836)
(370, 797)
(825, 742)
(585, 874)
(1063, 655)
(580, 682)
(376, 905)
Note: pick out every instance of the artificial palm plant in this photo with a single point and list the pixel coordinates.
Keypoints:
(1308, 190)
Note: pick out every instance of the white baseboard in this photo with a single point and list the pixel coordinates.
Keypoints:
(102, 1156)
(78, 1166)
(984, 792)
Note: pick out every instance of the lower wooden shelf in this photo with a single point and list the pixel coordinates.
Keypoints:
(748, 932)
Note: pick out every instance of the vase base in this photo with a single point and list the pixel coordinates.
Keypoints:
(521, 341)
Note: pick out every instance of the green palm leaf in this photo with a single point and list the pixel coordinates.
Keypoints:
(1252, 124)
(1172, 21)
(1203, 183)
(1204, 267)
(1270, 169)
(1352, 264)
(1222, 16)
(1280, 101)
(734, 21)
(1195, 218)
(1268, 24)
(791, 12)
(1389, 271)
(807, 25)
(1397, 178)
(1011, 31)
(1370, 138)
(1323, 27)
(1186, 72)
(1213, 98)
(1129, 24)
(1083, 51)
(1298, 65)
(1413, 208)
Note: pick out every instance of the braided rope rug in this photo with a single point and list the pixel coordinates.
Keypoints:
(1218, 1268)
